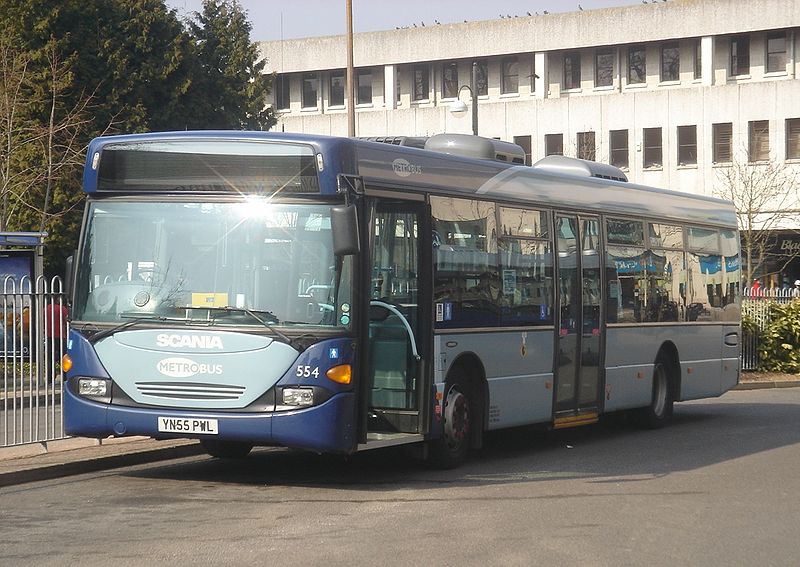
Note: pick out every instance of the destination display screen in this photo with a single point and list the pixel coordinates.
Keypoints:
(252, 167)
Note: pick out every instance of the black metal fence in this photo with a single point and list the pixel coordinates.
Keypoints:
(755, 306)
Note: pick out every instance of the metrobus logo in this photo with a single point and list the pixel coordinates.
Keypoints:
(185, 367)
(404, 169)
(189, 341)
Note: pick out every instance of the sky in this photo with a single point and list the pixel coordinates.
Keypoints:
(277, 19)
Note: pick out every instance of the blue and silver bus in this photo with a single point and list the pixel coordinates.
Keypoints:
(335, 295)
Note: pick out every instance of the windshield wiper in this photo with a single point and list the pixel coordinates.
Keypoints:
(127, 324)
(257, 316)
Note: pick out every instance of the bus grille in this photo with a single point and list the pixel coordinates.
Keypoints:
(190, 390)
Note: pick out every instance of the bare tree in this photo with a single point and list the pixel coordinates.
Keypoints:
(766, 200)
(40, 136)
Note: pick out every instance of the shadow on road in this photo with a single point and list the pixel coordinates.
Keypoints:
(701, 434)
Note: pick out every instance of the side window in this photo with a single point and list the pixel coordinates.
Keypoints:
(467, 284)
(732, 274)
(704, 263)
(625, 258)
(526, 267)
(665, 267)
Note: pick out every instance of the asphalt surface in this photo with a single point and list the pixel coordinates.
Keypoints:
(56, 459)
(718, 487)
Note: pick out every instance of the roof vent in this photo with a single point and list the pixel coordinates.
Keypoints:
(581, 167)
(476, 147)
(410, 141)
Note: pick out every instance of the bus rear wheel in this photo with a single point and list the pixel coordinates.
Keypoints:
(451, 448)
(226, 449)
(658, 413)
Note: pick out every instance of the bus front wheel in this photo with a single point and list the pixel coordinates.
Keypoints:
(451, 448)
(226, 449)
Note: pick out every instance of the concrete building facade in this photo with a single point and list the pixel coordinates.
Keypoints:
(671, 92)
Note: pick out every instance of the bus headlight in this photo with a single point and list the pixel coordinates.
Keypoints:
(298, 397)
(98, 389)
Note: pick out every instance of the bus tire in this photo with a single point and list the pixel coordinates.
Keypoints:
(659, 412)
(452, 447)
(226, 449)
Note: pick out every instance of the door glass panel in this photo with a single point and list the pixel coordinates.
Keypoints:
(568, 309)
(394, 309)
(590, 340)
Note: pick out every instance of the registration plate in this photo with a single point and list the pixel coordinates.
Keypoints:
(187, 425)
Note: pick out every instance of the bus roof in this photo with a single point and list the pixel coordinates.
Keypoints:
(420, 170)
(424, 170)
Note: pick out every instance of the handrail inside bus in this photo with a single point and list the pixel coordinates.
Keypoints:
(402, 317)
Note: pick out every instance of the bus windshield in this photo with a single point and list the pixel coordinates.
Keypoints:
(214, 263)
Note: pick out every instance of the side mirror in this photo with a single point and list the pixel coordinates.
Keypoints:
(69, 275)
(344, 225)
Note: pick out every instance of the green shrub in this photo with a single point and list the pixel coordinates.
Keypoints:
(780, 341)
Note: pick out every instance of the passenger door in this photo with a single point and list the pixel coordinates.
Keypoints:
(579, 316)
(399, 317)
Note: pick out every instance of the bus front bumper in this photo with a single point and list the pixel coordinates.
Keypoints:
(328, 427)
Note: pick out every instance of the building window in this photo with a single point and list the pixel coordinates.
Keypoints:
(510, 80)
(421, 82)
(524, 142)
(336, 96)
(364, 86)
(586, 146)
(670, 62)
(618, 145)
(652, 148)
(310, 86)
(637, 65)
(533, 74)
(740, 55)
(758, 137)
(482, 78)
(722, 139)
(698, 59)
(687, 145)
(603, 68)
(397, 86)
(572, 71)
(282, 99)
(554, 144)
(450, 80)
(776, 52)
(793, 138)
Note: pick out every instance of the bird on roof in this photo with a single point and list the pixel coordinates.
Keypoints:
(528, 13)
(580, 7)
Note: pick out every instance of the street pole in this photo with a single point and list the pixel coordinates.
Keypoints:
(474, 93)
(351, 102)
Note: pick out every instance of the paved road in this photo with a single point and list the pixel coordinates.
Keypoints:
(719, 487)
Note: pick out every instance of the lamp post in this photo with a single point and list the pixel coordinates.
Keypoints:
(351, 97)
(459, 106)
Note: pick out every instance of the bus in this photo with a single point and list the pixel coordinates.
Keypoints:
(337, 295)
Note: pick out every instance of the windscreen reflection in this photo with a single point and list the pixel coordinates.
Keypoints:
(212, 263)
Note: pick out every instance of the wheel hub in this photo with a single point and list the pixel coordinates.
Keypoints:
(456, 418)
